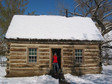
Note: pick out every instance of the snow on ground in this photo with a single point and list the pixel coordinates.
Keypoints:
(104, 78)
(44, 79)
(2, 72)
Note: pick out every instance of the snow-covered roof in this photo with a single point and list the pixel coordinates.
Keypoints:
(53, 27)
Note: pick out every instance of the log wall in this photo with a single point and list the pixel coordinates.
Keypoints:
(18, 65)
(90, 63)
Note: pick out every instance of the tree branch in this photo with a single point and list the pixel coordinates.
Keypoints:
(107, 15)
(108, 25)
(99, 23)
(76, 7)
(107, 42)
(106, 30)
(77, 14)
(97, 6)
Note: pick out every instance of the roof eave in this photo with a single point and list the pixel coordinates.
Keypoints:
(52, 40)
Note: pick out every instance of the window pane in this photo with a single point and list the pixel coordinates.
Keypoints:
(32, 55)
(29, 50)
(78, 55)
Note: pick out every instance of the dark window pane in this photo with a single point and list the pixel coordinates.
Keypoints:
(30, 49)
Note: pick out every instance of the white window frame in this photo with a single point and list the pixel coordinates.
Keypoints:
(32, 55)
(78, 56)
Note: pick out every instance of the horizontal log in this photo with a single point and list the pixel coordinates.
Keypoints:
(91, 50)
(91, 57)
(48, 45)
(43, 69)
(18, 49)
(23, 45)
(44, 62)
(43, 50)
(86, 68)
(92, 47)
(43, 57)
(31, 70)
(44, 66)
(91, 62)
(20, 61)
(17, 57)
(43, 46)
(91, 53)
(17, 46)
(23, 65)
(82, 68)
(67, 54)
(67, 58)
(71, 47)
(92, 65)
(67, 50)
(44, 54)
(68, 66)
(17, 53)
(24, 69)
(87, 65)
(68, 62)
(16, 73)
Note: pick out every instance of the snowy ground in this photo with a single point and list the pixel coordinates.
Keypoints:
(104, 78)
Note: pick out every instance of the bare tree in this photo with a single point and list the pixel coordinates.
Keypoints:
(8, 8)
(99, 10)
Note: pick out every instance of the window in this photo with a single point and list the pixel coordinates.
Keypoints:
(78, 56)
(32, 55)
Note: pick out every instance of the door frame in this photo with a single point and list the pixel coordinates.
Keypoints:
(60, 53)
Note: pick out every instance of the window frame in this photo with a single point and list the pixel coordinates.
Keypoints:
(82, 56)
(28, 55)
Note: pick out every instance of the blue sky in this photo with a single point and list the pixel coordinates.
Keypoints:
(48, 7)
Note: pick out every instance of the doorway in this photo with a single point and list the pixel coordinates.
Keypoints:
(58, 52)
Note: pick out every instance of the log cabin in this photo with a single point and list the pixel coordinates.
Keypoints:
(32, 41)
